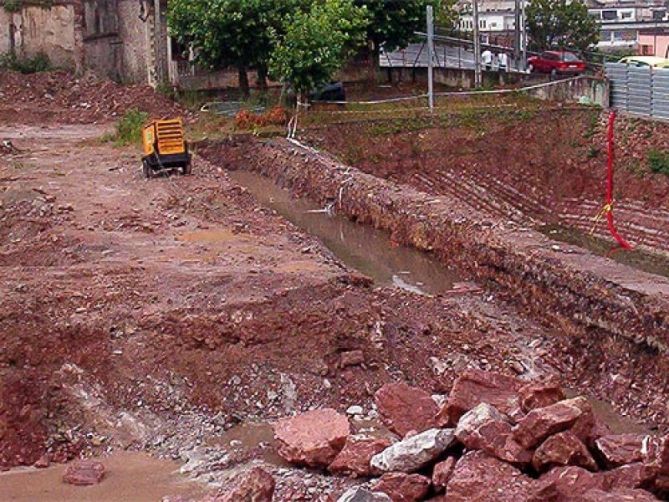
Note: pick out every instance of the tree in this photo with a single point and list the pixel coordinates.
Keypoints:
(238, 33)
(317, 43)
(560, 24)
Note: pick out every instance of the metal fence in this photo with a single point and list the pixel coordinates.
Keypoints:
(639, 91)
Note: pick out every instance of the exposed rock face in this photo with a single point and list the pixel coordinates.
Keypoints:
(442, 473)
(622, 495)
(540, 423)
(403, 487)
(354, 458)
(414, 452)
(313, 438)
(404, 408)
(479, 477)
(84, 472)
(254, 485)
(485, 428)
(359, 494)
(565, 484)
(563, 449)
(476, 386)
(540, 394)
(621, 449)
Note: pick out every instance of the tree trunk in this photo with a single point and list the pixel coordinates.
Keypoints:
(262, 78)
(244, 82)
(373, 62)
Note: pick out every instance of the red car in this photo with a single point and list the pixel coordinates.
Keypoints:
(556, 63)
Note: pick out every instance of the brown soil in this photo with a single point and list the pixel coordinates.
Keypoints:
(529, 166)
(58, 96)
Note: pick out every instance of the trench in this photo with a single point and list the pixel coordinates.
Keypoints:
(361, 247)
(636, 258)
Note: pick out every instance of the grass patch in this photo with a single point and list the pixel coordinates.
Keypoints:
(658, 161)
(38, 63)
(128, 129)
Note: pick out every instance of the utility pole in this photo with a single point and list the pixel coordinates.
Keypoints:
(516, 39)
(523, 23)
(430, 56)
(477, 45)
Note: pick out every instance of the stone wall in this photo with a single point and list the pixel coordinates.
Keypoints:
(42, 30)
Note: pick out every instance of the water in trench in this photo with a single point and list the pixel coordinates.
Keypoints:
(642, 260)
(360, 247)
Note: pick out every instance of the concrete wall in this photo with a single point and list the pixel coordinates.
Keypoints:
(48, 30)
(585, 89)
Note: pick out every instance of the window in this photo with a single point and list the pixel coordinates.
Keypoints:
(569, 57)
(609, 15)
(626, 15)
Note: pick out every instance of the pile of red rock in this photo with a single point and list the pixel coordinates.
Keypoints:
(495, 438)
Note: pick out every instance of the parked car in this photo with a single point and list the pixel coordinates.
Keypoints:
(334, 91)
(645, 61)
(556, 63)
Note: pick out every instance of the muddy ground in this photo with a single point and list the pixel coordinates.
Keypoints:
(170, 315)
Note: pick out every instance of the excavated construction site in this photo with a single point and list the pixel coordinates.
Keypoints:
(397, 309)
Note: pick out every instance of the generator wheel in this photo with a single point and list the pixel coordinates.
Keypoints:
(185, 170)
(146, 170)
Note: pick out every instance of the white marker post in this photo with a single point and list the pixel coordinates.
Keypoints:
(430, 57)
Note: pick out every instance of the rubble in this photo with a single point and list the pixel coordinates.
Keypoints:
(313, 438)
(621, 449)
(254, 485)
(474, 387)
(84, 472)
(359, 494)
(404, 408)
(563, 449)
(442, 473)
(355, 457)
(403, 487)
(540, 423)
(414, 452)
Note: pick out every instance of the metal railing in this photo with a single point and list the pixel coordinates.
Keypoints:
(639, 91)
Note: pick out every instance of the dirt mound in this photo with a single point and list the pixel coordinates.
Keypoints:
(61, 96)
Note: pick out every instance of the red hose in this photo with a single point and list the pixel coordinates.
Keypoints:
(609, 185)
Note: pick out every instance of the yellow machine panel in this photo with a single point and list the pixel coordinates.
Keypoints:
(165, 147)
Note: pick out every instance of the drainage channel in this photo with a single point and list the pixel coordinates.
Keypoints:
(361, 247)
(641, 260)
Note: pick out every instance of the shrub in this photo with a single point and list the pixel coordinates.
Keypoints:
(39, 62)
(129, 128)
(658, 161)
(249, 120)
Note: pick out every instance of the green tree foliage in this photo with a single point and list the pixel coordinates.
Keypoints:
(560, 24)
(393, 22)
(317, 43)
(238, 33)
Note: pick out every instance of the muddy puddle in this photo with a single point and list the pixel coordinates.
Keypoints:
(642, 260)
(360, 247)
(129, 476)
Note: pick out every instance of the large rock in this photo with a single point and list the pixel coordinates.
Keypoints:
(566, 484)
(621, 449)
(478, 477)
(254, 485)
(476, 386)
(540, 423)
(562, 449)
(354, 458)
(84, 472)
(403, 487)
(622, 495)
(540, 394)
(414, 452)
(442, 473)
(636, 475)
(360, 494)
(313, 438)
(404, 408)
(656, 455)
(485, 428)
